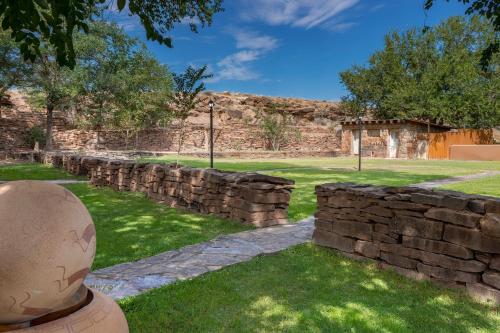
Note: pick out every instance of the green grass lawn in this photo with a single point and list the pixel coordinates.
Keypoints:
(130, 227)
(483, 186)
(309, 172)
(33, 171)
(306, 289)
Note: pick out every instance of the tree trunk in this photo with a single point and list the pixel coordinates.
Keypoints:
(98, 138)
(181, 138)
(48, 139)
(126, 139)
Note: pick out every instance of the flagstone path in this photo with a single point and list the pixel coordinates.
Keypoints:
(132, 278)
(457, 179)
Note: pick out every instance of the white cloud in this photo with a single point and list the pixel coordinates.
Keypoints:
(298, 13)
(252, 40)
(238, 66)
(339, 26)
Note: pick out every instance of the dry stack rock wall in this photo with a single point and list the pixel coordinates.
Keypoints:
(444, 236)
(250, 198)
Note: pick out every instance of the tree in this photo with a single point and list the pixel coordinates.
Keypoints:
(34, 21)
(120, 84)
(276, 127)
(51, 86)
(187, 87)
(143, 103)
(489, 9)
(13, 71)
(432, 75)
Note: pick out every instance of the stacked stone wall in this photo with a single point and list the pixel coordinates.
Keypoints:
(443, 236)
(250, 198)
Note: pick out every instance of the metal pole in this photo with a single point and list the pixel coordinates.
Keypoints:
(211, 137)
(359, 142)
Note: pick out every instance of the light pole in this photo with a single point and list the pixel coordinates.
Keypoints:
(360, 129)
(211, 105)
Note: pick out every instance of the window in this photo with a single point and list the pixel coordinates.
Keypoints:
(374, 133)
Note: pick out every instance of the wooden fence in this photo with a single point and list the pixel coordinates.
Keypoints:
(440, 143)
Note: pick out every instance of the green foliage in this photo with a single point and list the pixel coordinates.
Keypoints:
(35, 134)
(119, 83)
(34, 21)
(187, 87)
(489, 9)
(434, 74)
(277, 127)
(13, 71)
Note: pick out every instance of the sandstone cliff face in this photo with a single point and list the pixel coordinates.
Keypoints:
(235, 123)
(235, 108)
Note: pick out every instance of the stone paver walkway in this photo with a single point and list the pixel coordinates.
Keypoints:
(452, 180)
(132, 278)
(58, 181)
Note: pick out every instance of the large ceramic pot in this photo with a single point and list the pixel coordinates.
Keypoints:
(101, 315)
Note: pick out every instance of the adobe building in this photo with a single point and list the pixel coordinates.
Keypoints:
(391, 138)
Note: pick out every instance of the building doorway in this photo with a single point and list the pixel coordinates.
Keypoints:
(355, 142)
(393, 144)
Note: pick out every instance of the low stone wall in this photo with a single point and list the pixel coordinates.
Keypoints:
(444, 236)
(250, 198)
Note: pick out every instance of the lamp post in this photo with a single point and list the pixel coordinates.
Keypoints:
(211, 104)
(360, 129)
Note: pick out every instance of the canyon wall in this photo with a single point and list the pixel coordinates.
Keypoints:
(235, 121)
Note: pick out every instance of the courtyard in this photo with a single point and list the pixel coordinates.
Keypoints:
(249, 166)
(303, 287)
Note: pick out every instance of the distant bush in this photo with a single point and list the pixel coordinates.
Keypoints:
(35, 134)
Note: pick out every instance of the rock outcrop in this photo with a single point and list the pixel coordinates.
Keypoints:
(236, 127)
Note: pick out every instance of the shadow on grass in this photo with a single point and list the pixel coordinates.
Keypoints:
(306, 289)
(130, 227)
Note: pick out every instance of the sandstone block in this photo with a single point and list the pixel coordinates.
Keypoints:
(476, 206)
(324, 225)
(471, 238)
(378, 210)
(435, 259)
(466, 219)
(495, 262)
(404, 205)
(376, 218)
(408, 213)
(437, 247)
(398, 260)
(330, 239)
(381, 228)
(484, 293)
(353, 229)
(490, 224)
(368, 249)
(492, 206)
(492, 278)
(447, 274)
(426, 199)
(378, 237)
(417, 227)
(409, 273)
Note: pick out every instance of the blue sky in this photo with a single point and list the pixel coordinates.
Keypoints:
(290, 48)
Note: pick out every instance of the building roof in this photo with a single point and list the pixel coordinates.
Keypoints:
(393, 122)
